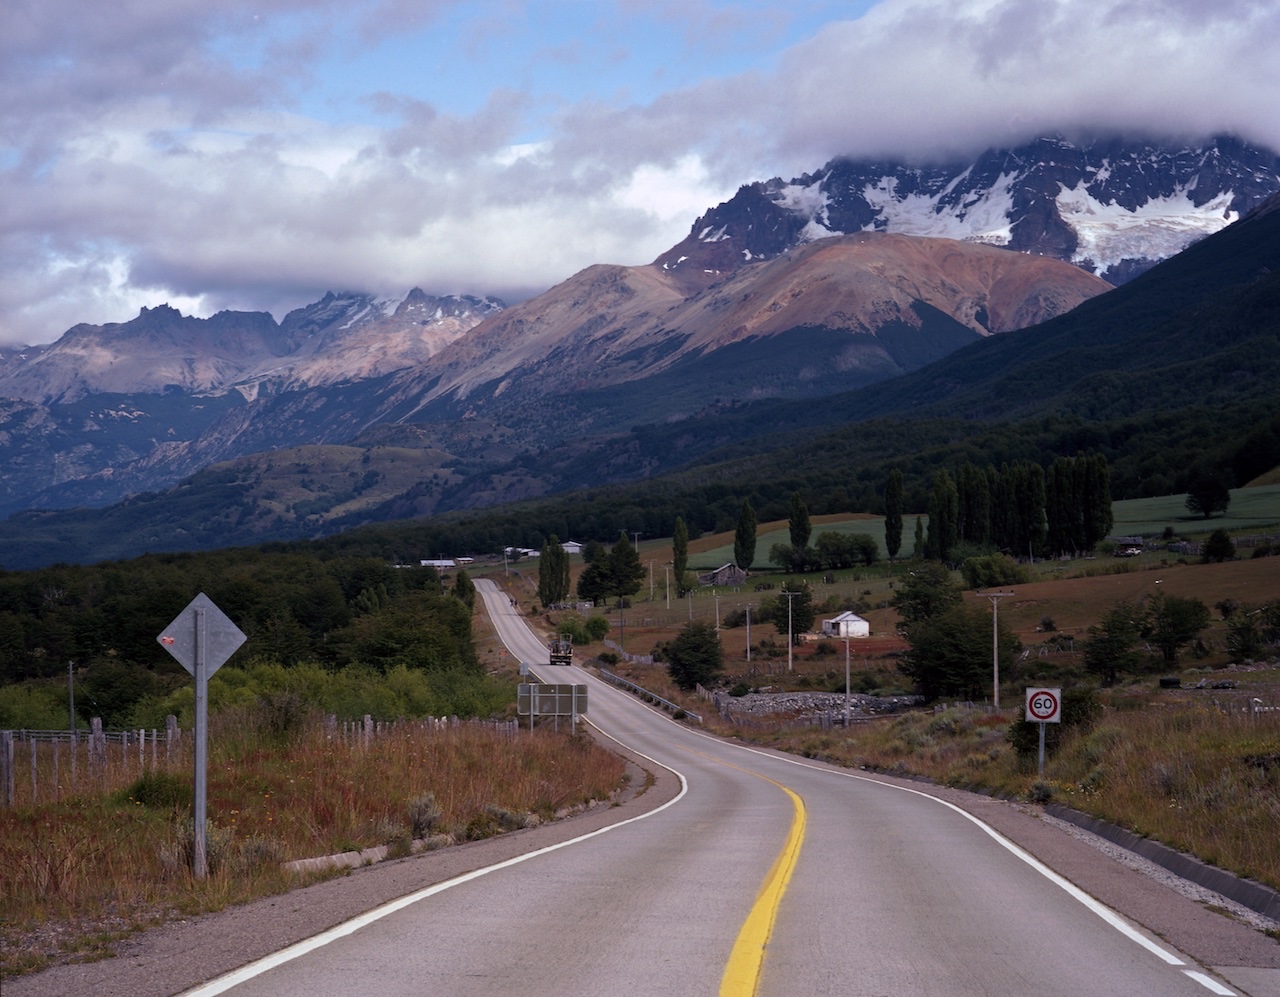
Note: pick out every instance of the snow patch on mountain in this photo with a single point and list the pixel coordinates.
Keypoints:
(1163, 227)
(986, 217)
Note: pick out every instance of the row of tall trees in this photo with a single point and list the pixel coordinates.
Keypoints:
(1020, 508)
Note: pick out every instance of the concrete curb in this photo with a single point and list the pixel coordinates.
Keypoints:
(1245, 892)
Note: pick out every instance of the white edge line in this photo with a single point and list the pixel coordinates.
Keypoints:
(247, 972)
(1104, 912)
(1210, 982)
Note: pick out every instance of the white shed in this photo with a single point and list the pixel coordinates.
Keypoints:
(846, 625)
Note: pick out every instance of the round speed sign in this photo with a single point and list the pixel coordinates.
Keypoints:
(1044, 706)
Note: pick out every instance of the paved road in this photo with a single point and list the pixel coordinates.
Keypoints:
(765, 876)
(758, 873)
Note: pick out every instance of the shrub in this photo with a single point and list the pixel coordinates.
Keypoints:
(1080, 708)
(992, 571)
(424, 815)
(160, 790)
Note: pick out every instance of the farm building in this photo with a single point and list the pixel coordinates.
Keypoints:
(846, 625)
(726, 574)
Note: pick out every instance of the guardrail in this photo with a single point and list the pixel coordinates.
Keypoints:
(651, 696)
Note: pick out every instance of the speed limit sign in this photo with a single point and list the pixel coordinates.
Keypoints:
(1044, 706)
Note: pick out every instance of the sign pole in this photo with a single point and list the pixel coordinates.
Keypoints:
(201, 638)
(198, 864)
(1044, 706)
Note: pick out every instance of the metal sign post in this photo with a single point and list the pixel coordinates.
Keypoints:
(1044, 706)
(201, 638)
(537, 700)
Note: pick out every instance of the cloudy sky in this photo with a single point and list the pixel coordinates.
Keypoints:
(252, 154)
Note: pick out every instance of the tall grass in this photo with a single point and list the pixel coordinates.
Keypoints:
(78, 871)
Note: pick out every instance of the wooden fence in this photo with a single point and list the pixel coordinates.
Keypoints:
(62, 763)
(40, 766)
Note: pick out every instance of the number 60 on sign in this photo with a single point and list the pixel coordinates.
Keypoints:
(1044, 706)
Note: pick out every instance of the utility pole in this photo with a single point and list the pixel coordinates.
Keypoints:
(846, 676)
(790, 636)
(748, 633)
(635, 540)
(666, 572)
(995, 598)
(651, 579)
(717, 612)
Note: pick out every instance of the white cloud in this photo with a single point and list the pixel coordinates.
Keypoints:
(161, 153)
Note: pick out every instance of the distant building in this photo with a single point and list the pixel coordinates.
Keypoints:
(439, 563)
(846, 625)
(726, 574)
(572, 547)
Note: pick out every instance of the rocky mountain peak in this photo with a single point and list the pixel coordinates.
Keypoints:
(1112, 206)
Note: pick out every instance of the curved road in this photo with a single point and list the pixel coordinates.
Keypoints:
(760, 874)
(766, 875)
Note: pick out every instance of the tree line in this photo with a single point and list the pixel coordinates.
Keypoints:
(1020, 509)
(99, 623)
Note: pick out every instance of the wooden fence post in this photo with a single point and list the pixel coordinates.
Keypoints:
(33, 770)
(97, 747)
(6, 767)
(171, 735)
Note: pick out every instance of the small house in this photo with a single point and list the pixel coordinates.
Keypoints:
(846, 625)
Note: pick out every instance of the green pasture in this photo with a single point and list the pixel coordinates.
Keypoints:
(1252, 510)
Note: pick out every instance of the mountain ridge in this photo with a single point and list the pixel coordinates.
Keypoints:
(617, 373)
(1112, 205)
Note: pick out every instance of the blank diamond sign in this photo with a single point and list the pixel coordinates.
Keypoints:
(220, 637)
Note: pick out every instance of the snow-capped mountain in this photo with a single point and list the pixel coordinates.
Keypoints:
(344, 337)
(341, 337)
(1112, 206)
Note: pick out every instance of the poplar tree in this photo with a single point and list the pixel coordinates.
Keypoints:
(893, 514)
(744, 538)
(944, 518)
(553, 573)
(798, 523)
(680, 553)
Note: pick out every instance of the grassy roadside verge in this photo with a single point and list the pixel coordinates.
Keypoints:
(78, 874)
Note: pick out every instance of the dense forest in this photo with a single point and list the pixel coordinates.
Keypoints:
(384, 626)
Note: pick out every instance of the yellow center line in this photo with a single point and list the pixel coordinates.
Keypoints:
(742, 972)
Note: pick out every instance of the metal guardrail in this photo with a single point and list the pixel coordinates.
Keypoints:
(651, 696)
